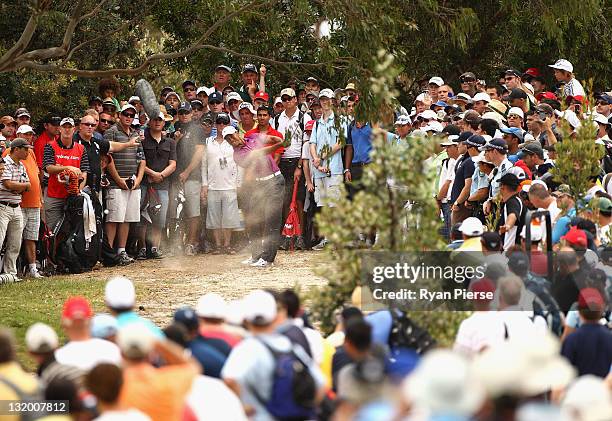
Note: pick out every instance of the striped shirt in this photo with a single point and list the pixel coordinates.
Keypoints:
(49, 156)
(15, 172)
(573, 88)
(127, 160)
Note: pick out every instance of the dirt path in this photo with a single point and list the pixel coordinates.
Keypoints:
(163, 285)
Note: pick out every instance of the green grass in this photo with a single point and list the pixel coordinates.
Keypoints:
(29, 301)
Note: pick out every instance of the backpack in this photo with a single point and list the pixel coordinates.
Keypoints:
(71, 250)
(293, 388)
(24, 398)
(544, 304)
(297, 337)
(407, 334)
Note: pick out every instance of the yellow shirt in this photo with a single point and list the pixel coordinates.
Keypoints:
(27, 384)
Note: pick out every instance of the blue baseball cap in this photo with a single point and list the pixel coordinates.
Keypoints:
(187, 317)
(439, 104)
(514, 131)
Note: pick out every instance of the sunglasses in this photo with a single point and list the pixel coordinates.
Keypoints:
(467, 79)
(513, 116)
(197, 108)
(189, 90)
(183, 112)
(105, 121)
(286, 99)
(509, 78)
(128, 115)
(89, 124)
(601, 103)
(426, 120)
(214, 102)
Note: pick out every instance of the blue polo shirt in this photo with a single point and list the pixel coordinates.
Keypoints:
(130, 317)
(361, 139)
(325, 133)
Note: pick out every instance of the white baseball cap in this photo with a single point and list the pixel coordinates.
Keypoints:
(120, 293)
(471, 226)
(248, 106)
(135, 340)
(327, 93)
(402, 120)
(41, 338)
(287, 91)
(420, 97)
(204, 89)
(429, 115)
(133, 98)
(516, 111)
(24, 128)
(562, 64)
(228, 131)
(278, 100)
(67, 120)
(128, 106)
(211, 306)
(597, 118)
(433, 126)
(436, 80)
(481, 96)
(235, 313)
(259, 308)
(588, 398)
(233, 96)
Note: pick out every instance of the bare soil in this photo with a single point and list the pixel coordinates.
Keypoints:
(164, 285)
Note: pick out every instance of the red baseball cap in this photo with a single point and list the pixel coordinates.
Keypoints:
(590, 299)
(533, 71)
(483, 285)
(546, 95)
(577, 98)
(576, 236)
(77, 308)
(262, 95)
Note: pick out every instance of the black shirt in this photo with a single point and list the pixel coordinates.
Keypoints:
(464, 169)
(589, 349)
(185, 148)
(566, 289)
(94, 148)
(513, 206)
(158, 155)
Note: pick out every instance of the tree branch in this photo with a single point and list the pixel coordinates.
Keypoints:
(22, 43)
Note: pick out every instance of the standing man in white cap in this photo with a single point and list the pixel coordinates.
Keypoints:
(31, 202)
(62, 155)
(433, 86)
(564, 73)
(291, 123)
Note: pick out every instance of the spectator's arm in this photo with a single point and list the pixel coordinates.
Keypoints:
(195, 160)
(173, 354)
(465, 192)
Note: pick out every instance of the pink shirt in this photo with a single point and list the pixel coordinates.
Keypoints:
(264, 166)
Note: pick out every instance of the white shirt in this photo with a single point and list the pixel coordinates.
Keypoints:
(481, 330)
(447, 172)
(126, 415)
(252, 365)
(210, 397)
(290, 127)
(88, 353)
(573, 88)
(517, 322)
(314, 338)
(219, 170)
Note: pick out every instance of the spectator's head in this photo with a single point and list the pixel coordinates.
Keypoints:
(249, 74)
(288, 99)
(518, 263)
(495, 91)
(51, 123)
(435, 389)
(471, 227)
(325, 97)
(568, 259)
(233, 100)
(211, 308)
(563, 70)
(357, 338)
(76, 318)
(515, 117)
(510, 287)
(290, 301)
(491, 242)
(591, 304)
(20, 148)
(63, 389)
(488, 127)
(41, 342)
(576, 239)
(533, 154)
(7, 346)
(135, 342)
(263, 116)
(104, 326)
(495, 151)
(189, 90)
(186, 316)
(177, 333)
(108, 88)
(456, 233)
(119, 295)
(247, 113)
(27, 132)
(509, 184)
(184, 112)
(517, 98)
(539, 195)
(260, 311)
(222, 75)
(66, 129)
(104, 381)
(587, 399)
